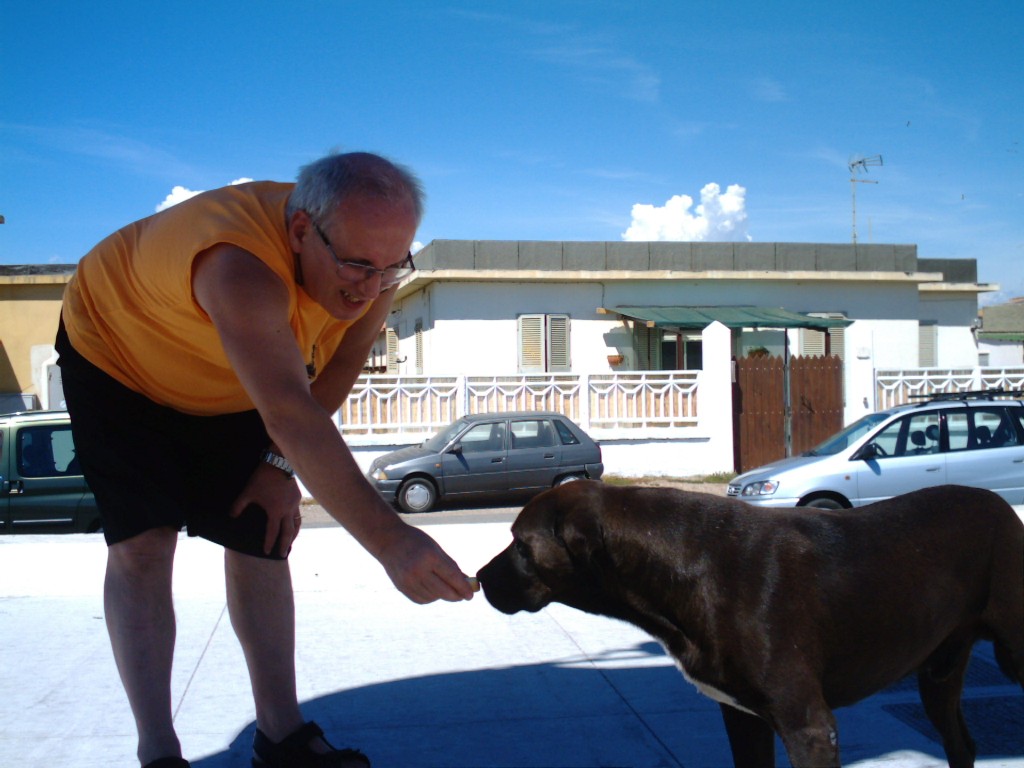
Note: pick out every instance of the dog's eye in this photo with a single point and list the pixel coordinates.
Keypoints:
(522, 550)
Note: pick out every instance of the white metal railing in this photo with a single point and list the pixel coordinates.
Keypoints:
(403, 408)
(545, 392)
(643, 399)
(901, 385)
(387, 405)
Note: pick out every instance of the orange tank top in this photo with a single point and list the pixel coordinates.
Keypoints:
(130, 311)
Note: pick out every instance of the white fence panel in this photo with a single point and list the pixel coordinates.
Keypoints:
(898, 386)
(643, 399)
(403, 408)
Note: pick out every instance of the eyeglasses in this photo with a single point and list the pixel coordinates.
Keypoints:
(357, 272)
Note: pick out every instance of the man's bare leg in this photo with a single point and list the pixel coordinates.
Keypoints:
(140, 620)
(262, 610)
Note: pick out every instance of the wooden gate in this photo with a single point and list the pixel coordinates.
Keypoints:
(759, 413)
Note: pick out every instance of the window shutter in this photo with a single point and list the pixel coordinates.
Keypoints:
(837, 344)
(531, 343)
(419, 347)
(558, 343)
(647, 345)
(392, 359)
(927, 352)
(812, 342)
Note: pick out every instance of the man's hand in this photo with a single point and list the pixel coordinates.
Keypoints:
(421, 570)
(279, 496)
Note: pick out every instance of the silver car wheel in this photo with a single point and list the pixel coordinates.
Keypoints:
(417, 496)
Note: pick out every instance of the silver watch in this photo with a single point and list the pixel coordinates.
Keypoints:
(277, 460)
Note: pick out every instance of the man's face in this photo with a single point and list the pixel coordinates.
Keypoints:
(363, 231)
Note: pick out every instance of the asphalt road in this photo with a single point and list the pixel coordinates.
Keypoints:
(504, 510)
(314, 516)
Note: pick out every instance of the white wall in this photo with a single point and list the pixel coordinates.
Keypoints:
(1000, 353)
(954, 313)
(471, 326)
(956, 347)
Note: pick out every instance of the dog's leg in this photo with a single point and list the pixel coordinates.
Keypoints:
(1005, 623)
(941, 682)
(1012, 664)
(809, 733)
(751, 739)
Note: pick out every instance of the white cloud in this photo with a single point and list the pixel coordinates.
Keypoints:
(766, 89)
(180, 194)
(719, 217)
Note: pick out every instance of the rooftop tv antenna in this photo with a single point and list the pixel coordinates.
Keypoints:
(856, 166)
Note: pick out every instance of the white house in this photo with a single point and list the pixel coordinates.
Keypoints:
(528, 308)
(491, 307)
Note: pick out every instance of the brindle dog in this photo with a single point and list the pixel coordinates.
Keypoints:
(784, 615)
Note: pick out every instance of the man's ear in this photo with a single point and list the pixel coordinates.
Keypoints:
(299, 226)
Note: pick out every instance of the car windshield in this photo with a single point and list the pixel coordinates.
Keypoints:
(445, 436)
(848, 436)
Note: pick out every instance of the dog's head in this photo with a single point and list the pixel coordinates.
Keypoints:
(556, 552)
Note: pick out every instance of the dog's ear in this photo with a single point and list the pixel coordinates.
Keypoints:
(579, 528)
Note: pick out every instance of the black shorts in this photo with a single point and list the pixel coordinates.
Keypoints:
(151, 466)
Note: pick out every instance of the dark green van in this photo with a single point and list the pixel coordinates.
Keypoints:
(41, 487)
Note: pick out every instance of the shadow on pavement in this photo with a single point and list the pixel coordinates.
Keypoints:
(625, 714)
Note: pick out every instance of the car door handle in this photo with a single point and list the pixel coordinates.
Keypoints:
(497, 460)
(933, 469)
(1019, 461)
(549, 455)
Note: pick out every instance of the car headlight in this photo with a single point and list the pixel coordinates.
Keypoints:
(760, 488)
(379, 474)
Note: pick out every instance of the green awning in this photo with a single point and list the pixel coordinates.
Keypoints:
(731, 317)
(1000, 336)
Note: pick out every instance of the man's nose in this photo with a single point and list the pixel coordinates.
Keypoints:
(370, 286)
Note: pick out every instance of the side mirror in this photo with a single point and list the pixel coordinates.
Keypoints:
(456, 448)
(866, 452)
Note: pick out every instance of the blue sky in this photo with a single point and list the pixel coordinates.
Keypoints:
(551, 120)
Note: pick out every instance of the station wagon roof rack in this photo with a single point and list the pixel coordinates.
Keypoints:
(977, 394)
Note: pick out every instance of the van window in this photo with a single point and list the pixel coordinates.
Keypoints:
(981, 428)
(916, 435)
(995, 428)
(46, 452)
(959, 430)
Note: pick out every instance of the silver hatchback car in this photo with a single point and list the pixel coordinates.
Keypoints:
(966, 438)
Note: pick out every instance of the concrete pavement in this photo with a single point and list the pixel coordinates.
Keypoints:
(434, 686)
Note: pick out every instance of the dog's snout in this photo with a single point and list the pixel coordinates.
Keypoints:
(503, 587)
